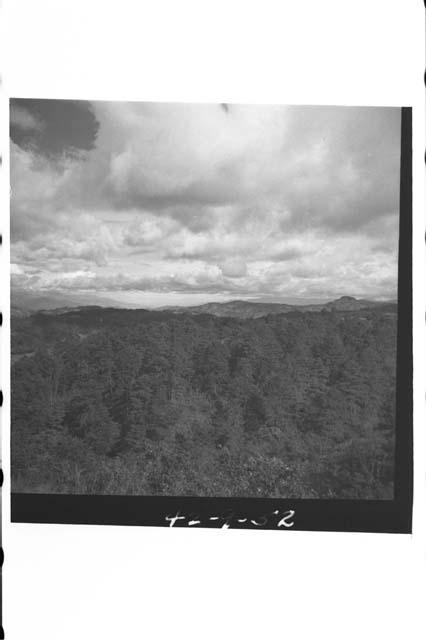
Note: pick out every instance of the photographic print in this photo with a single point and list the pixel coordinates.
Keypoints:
(204, 301)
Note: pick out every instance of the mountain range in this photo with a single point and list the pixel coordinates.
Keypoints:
(245, 309)
(233, 309)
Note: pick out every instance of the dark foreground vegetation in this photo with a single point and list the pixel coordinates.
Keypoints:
(108, 401)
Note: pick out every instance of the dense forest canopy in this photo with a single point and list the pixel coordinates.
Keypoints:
(119, 401)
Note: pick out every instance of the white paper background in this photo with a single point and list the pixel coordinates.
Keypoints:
(63, 582)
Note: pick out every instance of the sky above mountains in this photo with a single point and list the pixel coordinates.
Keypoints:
(152, 204)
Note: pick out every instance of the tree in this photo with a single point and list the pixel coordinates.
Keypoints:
(99, 430)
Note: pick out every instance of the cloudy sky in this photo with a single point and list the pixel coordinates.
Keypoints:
(148, 204)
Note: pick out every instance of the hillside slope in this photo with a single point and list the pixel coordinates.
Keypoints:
(246, 309)
(287, 405)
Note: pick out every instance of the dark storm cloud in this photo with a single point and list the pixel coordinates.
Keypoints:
(52, 126)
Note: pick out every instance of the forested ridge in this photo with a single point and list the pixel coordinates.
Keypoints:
(121, 401)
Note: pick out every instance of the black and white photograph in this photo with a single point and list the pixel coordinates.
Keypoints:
(204, 299)
(212, 320)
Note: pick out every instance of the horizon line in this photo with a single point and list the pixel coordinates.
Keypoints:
(115, 305)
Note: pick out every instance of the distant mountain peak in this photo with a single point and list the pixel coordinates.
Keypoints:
(250, 309)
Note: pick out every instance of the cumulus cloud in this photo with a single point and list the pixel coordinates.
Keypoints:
(234, 268)
(220, 199)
